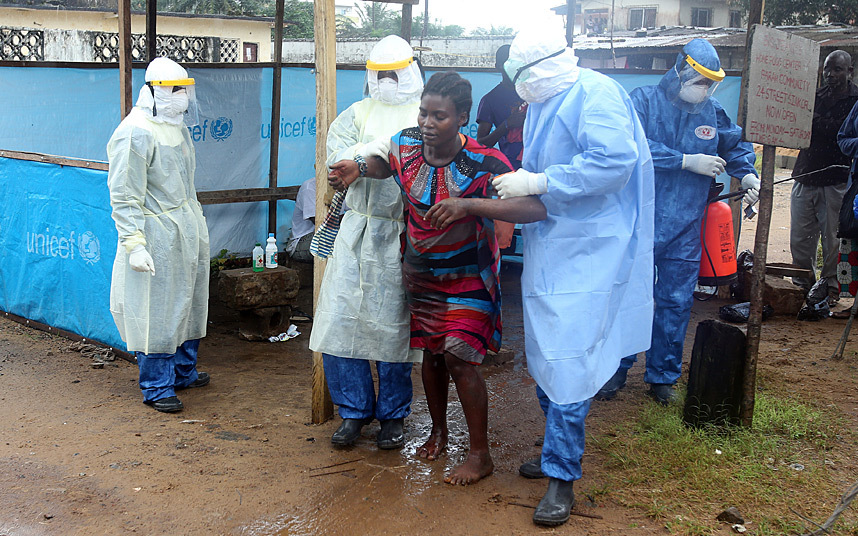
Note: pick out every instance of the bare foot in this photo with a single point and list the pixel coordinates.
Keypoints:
(433, 446)
(476, 467)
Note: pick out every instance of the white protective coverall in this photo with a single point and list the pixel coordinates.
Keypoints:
(362, 311)
(151, 183)
(587, 276)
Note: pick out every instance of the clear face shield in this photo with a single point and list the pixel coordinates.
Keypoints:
(176, 99)
(696, 84)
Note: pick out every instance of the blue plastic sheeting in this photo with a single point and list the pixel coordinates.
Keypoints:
(72, 112)
(57, 239)
(58, 243)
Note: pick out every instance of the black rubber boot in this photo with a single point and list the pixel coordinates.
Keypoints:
(663, 393)
(171, 404)
(531, 468)
(349, 431)
(613, 386)
(202, 380)
(391, 435)
(555, 506)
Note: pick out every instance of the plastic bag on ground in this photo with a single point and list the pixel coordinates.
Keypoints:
(740, 312)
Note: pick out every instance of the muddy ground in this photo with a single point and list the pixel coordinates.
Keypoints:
(80, 453)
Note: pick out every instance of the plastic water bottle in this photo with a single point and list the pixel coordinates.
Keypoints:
(271, 252)
(258, 258)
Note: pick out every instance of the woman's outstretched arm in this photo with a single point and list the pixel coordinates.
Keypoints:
(514, 209)
(345, 172)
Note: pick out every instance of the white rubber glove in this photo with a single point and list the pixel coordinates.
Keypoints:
(751, 183)
(379, 147)
(704, 164)
(520, 183)
(140, 260)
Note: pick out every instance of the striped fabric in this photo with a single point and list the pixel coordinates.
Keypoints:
(451, 276)
(322, 244)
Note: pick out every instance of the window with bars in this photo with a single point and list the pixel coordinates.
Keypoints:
(701, 16)
(642, 17)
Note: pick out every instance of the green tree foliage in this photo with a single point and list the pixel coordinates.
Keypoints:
(801, 12)
(436, 28)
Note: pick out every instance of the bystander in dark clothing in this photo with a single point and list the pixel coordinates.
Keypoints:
(816, 198)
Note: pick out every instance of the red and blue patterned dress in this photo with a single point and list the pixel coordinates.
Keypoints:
(450, 275)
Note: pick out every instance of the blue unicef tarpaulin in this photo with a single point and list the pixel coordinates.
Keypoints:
(56, 235)
(58, 245)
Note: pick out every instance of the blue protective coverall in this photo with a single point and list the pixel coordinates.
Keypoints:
(680, 199)
(588, 267)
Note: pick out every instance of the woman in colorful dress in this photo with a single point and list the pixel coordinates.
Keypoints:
(450, 255)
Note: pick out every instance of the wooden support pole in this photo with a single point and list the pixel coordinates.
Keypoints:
(124, 12)
(151, 30)
(758, 275)
(406, 22)
(274, 147)
(326, 110)
(761, 240)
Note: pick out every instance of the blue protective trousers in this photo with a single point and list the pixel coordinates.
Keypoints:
(162, 374)
(674, 295)
(563, 445)
(352, 390)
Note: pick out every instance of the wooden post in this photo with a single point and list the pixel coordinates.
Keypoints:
(274, 145)
(124, 12)
(326, 110)
(406, 22)
(758, 275)
(151, 30)
(755, 16)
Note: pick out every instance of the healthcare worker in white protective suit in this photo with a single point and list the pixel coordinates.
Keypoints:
(159, 293)
(361, 315)
(587, 277)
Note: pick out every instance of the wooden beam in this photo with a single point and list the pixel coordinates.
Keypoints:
(247, 195)
(274, 146)
(151, 30)
(124, 12)
(758, 274)
(405, 30)
(325, 25)
(51, 159)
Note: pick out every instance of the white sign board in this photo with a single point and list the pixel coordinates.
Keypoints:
(781, 88)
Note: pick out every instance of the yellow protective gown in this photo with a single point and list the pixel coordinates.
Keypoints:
(362, 312)
(151, 182)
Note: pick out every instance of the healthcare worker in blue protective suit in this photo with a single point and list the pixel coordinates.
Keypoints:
(692, 141)
(160, 287)
(362, 315)
(587, 276)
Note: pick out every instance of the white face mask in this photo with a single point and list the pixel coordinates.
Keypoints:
(170, 106)
(387, 88)
(693, 93)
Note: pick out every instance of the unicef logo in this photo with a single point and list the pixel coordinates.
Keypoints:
(221, 128)
(89, 247)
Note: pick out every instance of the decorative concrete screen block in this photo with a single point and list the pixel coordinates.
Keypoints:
(243, 289)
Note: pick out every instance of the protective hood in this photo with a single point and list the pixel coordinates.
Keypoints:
(694, 77)
(393, 54)
(169, 95)
(541, 65)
